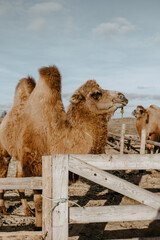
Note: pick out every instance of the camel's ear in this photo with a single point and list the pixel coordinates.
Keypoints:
(76, 98)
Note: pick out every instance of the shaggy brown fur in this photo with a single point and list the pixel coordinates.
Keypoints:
(4, 161)
(44, 128)
(28, 139)
(22, 92)
(90, 109)
(82, 130)
(51, 76)
(148, 119)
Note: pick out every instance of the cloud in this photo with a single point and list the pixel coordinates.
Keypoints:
(5, 71)
(69, 25)
(39, 13)
(4, 8)
(118, 26)
(144, 87)
(10, 8)
(133, 96)
(46, 8)
(38, 25)
(156, 39)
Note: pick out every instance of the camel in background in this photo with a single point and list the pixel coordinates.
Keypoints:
(148, 119)
(44, 128)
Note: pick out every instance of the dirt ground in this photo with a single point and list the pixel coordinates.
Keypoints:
(86, 193)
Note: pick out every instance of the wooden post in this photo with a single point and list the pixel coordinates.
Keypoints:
(47, 184)
(143, 141)
(55, 197)
(60, 195)
(122, 139)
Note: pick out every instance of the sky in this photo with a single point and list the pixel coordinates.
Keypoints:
(115, 42)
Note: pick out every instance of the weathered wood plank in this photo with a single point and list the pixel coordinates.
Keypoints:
(122, 138)
(128, 137)
(21, 183)
(112, 182)
(117, 147)
(60, 197)
(105, 162)
(133, 138)
(47, 173)
(143, 142)
(112, 214)
(121, 162)
(19, 235)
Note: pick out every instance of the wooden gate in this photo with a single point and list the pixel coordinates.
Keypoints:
(54, 182)
(55, 208)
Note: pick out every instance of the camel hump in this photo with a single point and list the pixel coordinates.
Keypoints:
(26, 84)
(24, 89)
(51, 76)
(155, 107)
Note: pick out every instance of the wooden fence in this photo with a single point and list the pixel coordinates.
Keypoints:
(54, 182)
(125, 144)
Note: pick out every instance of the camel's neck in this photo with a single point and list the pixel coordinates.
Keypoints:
(140, 124)
(92, 125)
(82, 115)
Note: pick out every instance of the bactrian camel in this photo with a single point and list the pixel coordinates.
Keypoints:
(44, 128)
(148, 119)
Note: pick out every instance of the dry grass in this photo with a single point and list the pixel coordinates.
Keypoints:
(115, 125)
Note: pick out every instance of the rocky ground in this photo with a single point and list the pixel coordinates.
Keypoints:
(86, 193)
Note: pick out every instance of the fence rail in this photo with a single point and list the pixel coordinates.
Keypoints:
(133, 138)
(21, 183)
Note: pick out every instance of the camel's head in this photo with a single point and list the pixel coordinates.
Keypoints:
(139, 112)
(97, 100)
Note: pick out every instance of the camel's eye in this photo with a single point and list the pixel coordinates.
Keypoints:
(96, 95)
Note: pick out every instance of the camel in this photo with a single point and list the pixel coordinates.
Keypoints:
(148, 119)
(22, 92)
(44, 128)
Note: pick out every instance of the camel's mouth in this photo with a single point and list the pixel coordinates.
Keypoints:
(115, 106)
(116, 103)
(121, 101)
(124, 103)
